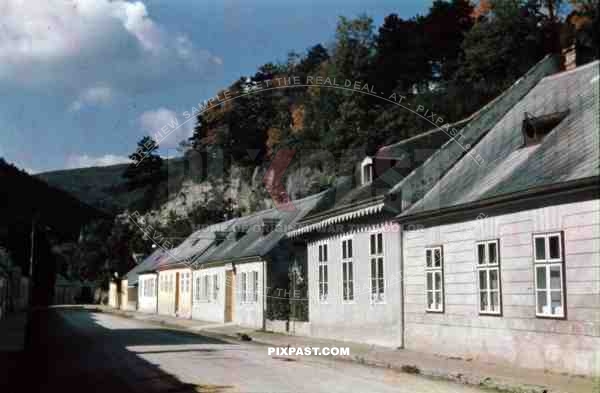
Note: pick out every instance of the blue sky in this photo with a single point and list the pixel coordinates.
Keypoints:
(82, 80)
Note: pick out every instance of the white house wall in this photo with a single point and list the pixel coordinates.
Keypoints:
(147, 304)
(517, 336)
(247, 313)
(167, 298)
(250, 312)
(212, 310)
(360, 320)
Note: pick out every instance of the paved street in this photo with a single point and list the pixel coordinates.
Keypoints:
(88, 352)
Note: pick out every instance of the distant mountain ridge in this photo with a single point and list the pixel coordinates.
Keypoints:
(102, 187)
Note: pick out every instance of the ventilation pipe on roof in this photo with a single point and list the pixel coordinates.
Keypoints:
(535, 128)
(569, 57)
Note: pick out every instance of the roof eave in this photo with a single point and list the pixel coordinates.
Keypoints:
(574, 186)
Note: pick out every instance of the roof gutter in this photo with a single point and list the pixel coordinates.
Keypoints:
(590, 184)
(255, 258)
(374, 208)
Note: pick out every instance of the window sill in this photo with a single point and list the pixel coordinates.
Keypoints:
(434, 311)
(490, 314)
(550, 316)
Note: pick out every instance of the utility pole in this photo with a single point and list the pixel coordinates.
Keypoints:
(32, 258)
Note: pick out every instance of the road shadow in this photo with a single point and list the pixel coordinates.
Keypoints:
(79, 354)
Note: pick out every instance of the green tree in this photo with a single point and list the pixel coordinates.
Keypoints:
(501, 47)
(146, 172)
(146, 164)
(444, 29)
(401, 61)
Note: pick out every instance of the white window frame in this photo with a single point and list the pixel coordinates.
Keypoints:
(206, 287)
(255, 286)
(323, 271)
(366, 163)
(377, 279)
(244, 287)
(347, 253)
(547, 263)
(432, 270)
(487, 266)
(215, 287)
(197, 291)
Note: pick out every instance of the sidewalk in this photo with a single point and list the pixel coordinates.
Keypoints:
(503, 377)
(12, 332)
(12, 345)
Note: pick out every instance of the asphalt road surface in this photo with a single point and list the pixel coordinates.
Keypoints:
(84, 351)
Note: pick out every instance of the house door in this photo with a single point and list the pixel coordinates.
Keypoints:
(229, 285)
(176, 293)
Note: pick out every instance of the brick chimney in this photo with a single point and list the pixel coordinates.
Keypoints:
(569, 57)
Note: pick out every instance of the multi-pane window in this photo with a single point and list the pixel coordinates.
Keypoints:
(244, 281)
(366, 170)
(376, 257)
(323, 286)
(549, 275)
(147, 287)
(367, 173)
(206, 287)
(215, 292)
(488, 277)
(434, 265)
(347, 271)
(255, 286)
(197, 290)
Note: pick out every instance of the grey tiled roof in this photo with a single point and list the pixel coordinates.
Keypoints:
(408, 154)
(424, 158)
(149, 264)
(571, 151)
(422, 179)
(201, 246)
(253, 243)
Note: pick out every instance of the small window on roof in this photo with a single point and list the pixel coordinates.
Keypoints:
(366, 171)
(220, 237)
(535, 128)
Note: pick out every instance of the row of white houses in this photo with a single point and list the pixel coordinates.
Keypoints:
(477, 240)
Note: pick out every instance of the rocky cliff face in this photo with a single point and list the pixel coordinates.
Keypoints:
(247, 187)
(185, 189)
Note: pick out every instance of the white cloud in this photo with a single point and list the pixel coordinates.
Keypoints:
(85, 161)
(97, 95)
(166, 127)
(76, 43)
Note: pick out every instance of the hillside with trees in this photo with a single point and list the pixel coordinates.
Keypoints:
(452, 61)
